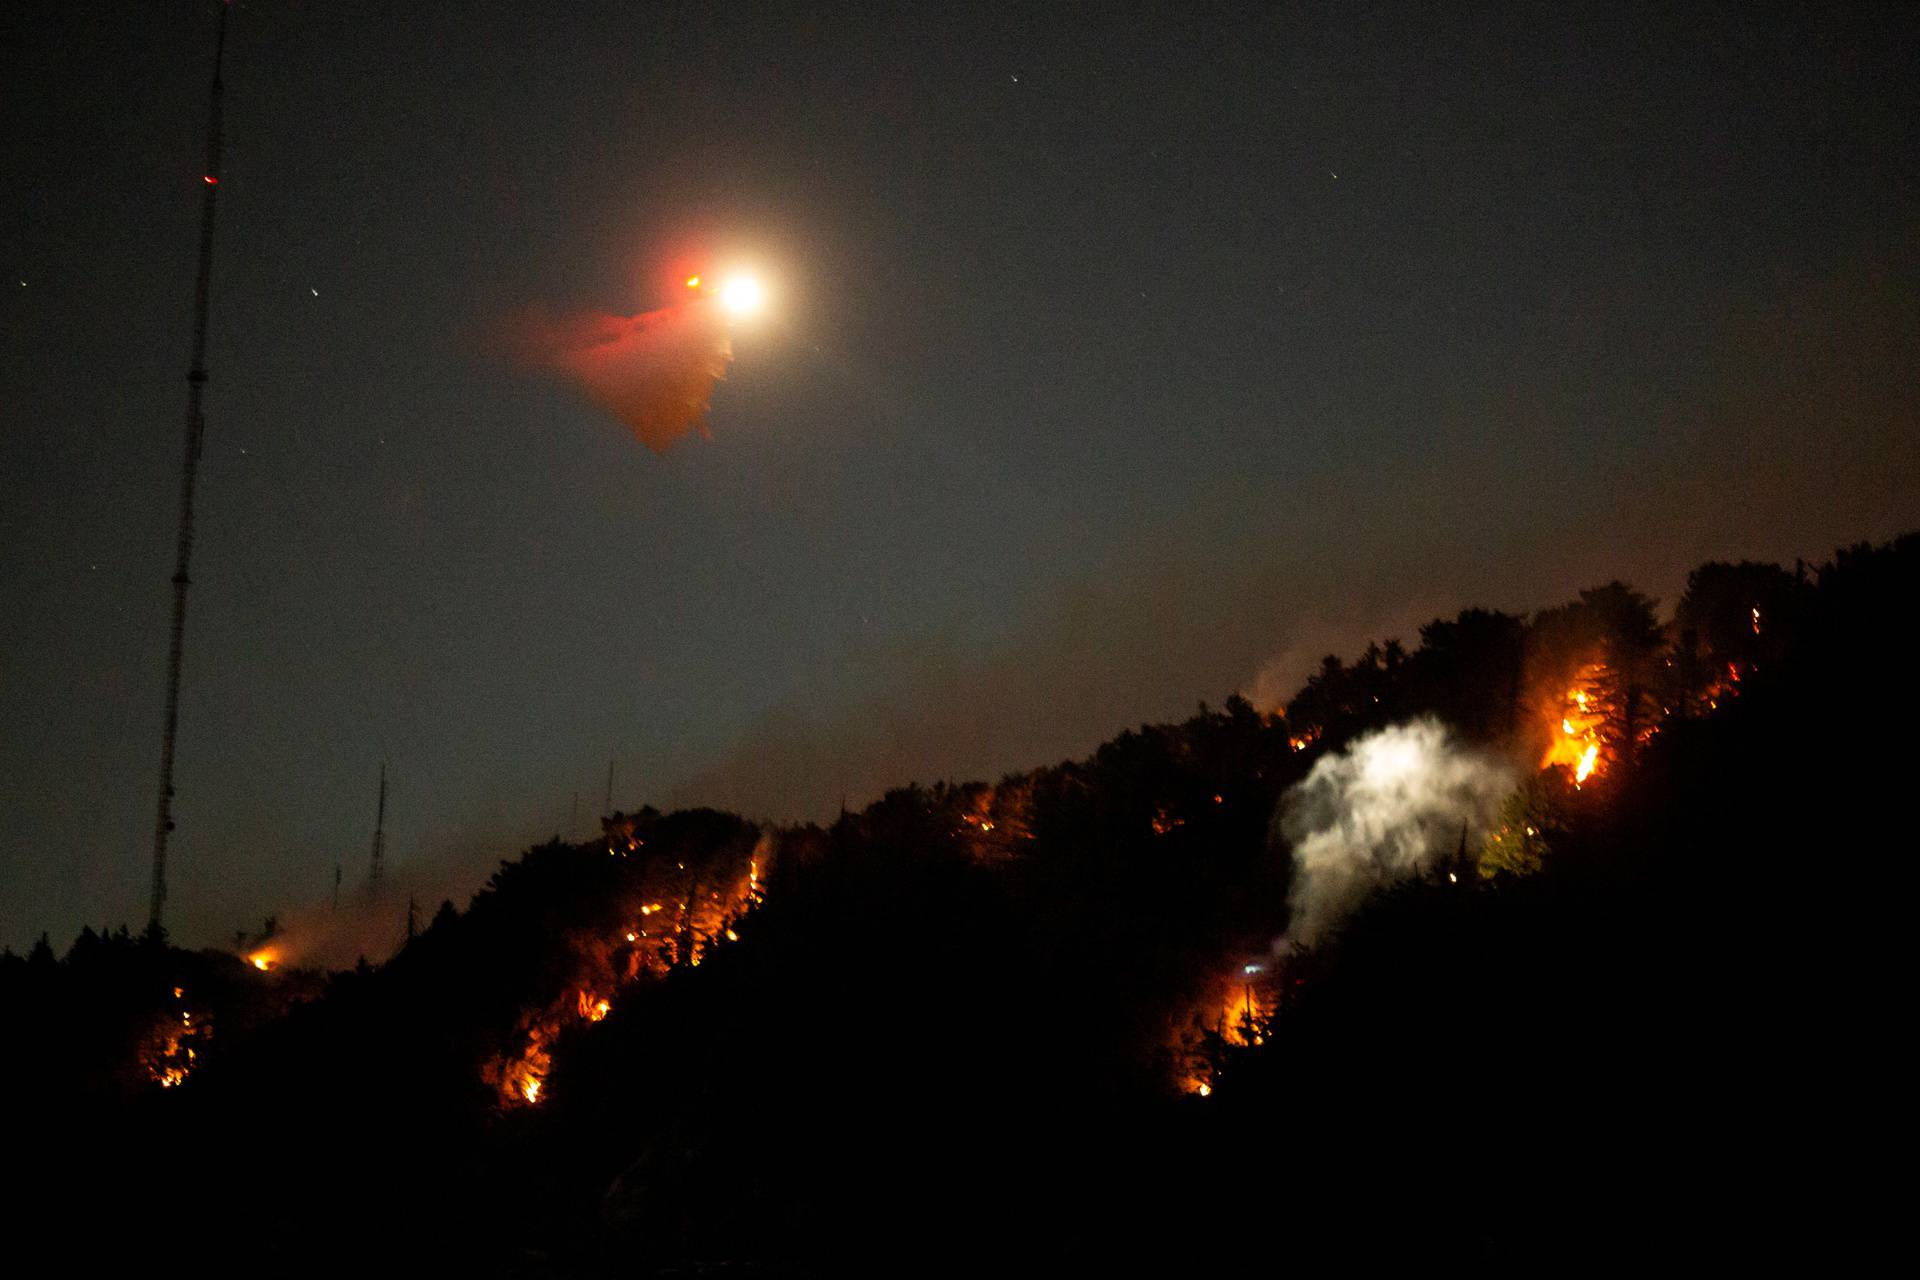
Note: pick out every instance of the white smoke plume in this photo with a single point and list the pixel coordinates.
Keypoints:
(1388, 807)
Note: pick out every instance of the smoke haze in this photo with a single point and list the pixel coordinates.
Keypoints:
(322, 935)
(655, 372)
(1389, 806)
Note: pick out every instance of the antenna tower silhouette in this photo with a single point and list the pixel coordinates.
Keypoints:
(375, 867)
(196, 432)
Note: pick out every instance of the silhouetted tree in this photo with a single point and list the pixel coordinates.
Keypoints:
(1470, 670)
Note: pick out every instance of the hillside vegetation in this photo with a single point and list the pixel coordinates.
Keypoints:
(1071, 1020)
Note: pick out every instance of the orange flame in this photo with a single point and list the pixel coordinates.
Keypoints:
(1576, 741)
(1240, 1009)
(169, 1056)
(700, 913)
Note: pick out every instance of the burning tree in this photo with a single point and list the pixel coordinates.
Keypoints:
(1734, 620)
(669, 890)
(1596, 666)
(1239, 1014)
(995, 823)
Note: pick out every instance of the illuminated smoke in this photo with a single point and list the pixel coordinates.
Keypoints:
(322, 935)
(655, 372)
(319, 936)
(1389, 806)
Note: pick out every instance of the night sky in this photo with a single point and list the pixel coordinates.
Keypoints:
(1114, 361)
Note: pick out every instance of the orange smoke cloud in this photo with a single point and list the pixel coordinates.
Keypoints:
(654, 372)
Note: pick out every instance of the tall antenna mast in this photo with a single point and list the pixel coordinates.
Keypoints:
(379, 837)
(196, 430)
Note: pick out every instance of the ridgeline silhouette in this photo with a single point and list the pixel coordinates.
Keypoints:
(1053, 1023)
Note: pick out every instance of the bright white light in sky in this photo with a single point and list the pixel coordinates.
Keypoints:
(742, 295)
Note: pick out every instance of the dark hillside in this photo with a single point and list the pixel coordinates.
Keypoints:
(1046, 1025)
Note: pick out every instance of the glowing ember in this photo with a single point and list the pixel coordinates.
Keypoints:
(530, 1089)
(169, 1056)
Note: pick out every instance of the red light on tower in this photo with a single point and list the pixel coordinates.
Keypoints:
(211, 181)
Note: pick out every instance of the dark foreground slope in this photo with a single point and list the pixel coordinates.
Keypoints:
(1677, 1044)
(951, 1037)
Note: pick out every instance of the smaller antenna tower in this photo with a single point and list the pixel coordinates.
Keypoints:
(379, 838)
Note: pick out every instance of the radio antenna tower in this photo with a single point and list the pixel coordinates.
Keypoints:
(379, 837)
(196, 430)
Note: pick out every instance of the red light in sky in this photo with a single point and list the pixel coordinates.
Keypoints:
(211, 181)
